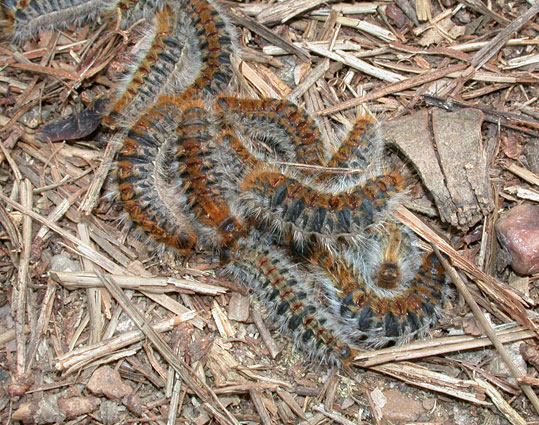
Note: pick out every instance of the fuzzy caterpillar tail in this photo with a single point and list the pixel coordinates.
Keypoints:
(360, 151)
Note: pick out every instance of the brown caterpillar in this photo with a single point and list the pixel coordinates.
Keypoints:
(194, 152)
(29, 17)
(287, 130)
(214, 46)
(170, 61)
(296, 297)
(188, 53)
(389, 291)
(361, 151)
(291, 207)
(149, 188)
(293, 136)
(215, 37)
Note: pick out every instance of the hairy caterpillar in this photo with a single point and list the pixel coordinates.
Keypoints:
(29, 17)
(169, 62)
(149, 188)
(294, 208)
(214, 47)
(199, 167)
(290, 132)
(293, 136)
(296, 297)
(194, 152)
(389, 292)
(188, 53)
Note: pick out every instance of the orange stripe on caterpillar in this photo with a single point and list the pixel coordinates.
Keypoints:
(360, 152)
(215, 37)
(356, 145)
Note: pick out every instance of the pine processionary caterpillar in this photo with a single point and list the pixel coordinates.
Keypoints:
(361, 150)
(294, 297)
(356, 146)
(29, 17)
(148, 189)
(188, 53)
(214, 47)
(194, 151)
(169, 62)
(215, 44)
(292, 133)
(199, 166)
(390, 293)
(294, 208)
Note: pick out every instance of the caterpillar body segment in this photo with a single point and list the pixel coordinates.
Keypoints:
(216, 44)
(296, 298)
(360, 148)
(150, 190)
(298, 210)
(289, 132)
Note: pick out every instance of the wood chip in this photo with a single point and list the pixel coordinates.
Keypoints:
(456, 172)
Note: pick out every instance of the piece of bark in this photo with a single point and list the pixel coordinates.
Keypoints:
(464, 162)
(76, 127)
(449, 159)
(238, 307)
(411, 136)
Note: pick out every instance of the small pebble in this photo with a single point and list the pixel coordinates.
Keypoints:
(518, 232)
(400, 409)
(108, 382)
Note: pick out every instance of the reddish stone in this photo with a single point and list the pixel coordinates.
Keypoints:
(108, 382)
(518, 232)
